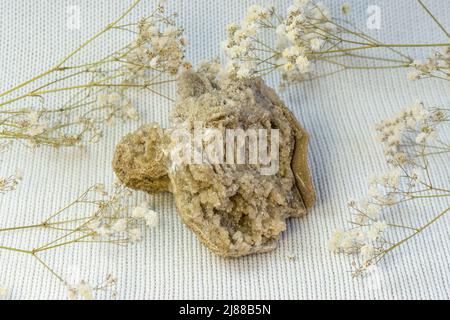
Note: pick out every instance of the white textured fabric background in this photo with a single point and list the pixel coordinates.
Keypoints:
(170, 263)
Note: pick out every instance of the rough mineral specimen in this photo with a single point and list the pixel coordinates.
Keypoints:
(232, 208)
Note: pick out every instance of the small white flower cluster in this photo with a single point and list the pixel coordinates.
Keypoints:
(362, 240)
(302, 33)
(35, 125)
(45, 127)
(10, 183)
(408, 127)
(149, 216)
(405, 137)
(119, 106)
(3, 292)
(157, 48)
(113, 223)
(4, 146)
(382, 189)
(240, 41)
(435, 66)
(42, 128)
(84, 290)
(365, 240)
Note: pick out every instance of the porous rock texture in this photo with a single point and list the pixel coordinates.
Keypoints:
(232, 208)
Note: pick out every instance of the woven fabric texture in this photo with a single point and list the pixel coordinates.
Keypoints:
(170, 263)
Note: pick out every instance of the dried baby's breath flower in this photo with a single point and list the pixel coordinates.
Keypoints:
(85, 290)
(135, 235)
(3, 292)
(110, 219)
(414, 127)
(150, 216)
(4, 146)
(10, 183)
(414, 75)
(295, 39)
(437, 65)
(50, 110)
(291, 42)
(72, 293)
(412, 144)
(290, 256)
(335, 240)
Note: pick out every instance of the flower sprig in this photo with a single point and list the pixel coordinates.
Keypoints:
(436, 66)
(293, 43)
(152, 59)
(10, 182)
(110, 220)
(412, 145)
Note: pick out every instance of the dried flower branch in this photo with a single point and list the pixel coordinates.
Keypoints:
(437, 66)
(412, 144)
(8, 183)
(267, 41)
(152, 59)
(112, 221)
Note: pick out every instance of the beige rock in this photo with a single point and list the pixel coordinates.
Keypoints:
(232, 208)
(139, 161)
